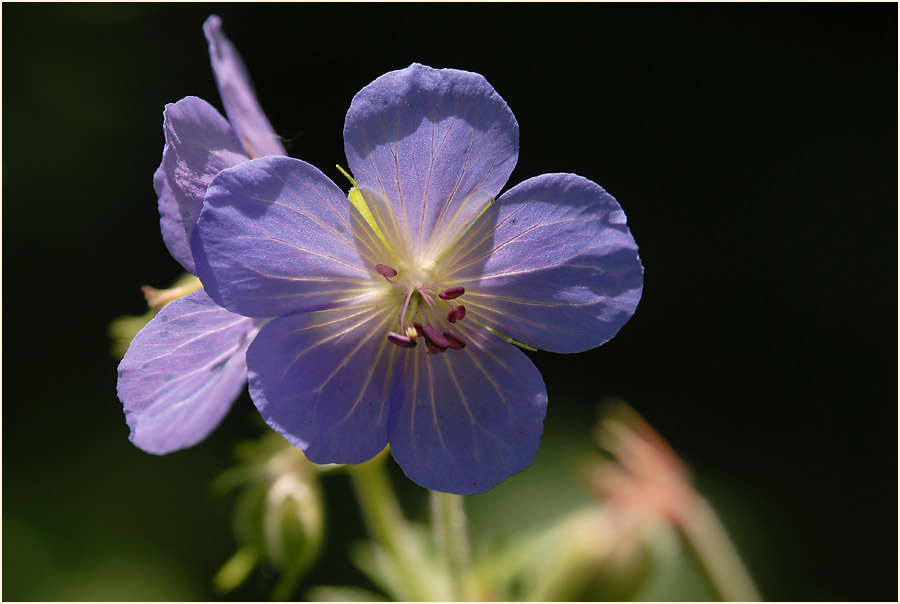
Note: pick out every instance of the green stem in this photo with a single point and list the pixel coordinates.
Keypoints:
(718, 557)
(451, 538)
(386, 523)
(236, 570)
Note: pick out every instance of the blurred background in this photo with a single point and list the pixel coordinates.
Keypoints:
(753, 149)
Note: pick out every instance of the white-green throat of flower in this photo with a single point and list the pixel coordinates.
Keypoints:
(433, 303)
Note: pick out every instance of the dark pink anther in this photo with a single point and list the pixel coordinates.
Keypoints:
(452, 316)
(401, 341)
(435, 337)
(460, 312)
(385, 271)
(419, 329)
(452, 292)
(456, 342)
(432, 348)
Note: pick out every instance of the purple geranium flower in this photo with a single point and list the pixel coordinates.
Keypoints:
(392, 313)
(184, 369)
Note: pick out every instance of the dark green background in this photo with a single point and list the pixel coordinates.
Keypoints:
(753, 148)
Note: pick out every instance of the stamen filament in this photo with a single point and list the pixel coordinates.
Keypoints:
(432, 306)
(402, 316)
(400, 285)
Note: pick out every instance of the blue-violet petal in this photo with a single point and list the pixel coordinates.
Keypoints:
(199, 144)
(277, 236)
(322, 379)
(434, 145)
(252, 127)
(471, 417)
(552, 264)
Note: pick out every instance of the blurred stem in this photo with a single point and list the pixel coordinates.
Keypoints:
(286, 585)
(451, 539)
(386, 523)
(236, 570)
(718, 557)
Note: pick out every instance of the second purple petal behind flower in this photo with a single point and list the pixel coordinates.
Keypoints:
(253, 129)
(182, 372)
(199, 144)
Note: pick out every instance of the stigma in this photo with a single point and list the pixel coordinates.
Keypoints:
(427, 311)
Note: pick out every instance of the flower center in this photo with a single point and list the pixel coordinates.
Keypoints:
(427, 311)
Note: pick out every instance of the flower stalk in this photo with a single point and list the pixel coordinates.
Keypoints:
(386, 524)
(451, 538)
(707, 538)
(647, 478)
